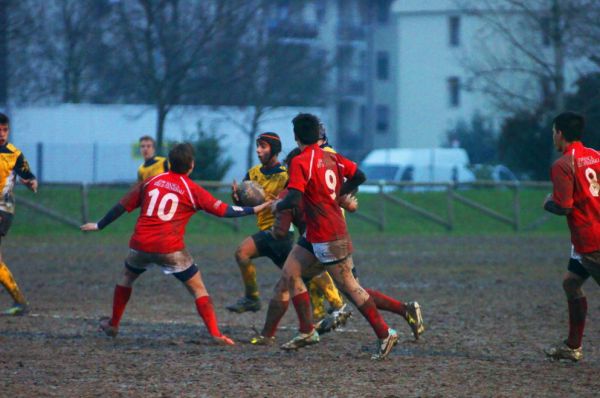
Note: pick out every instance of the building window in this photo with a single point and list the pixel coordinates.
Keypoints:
(383, 118)
(383, 65)
(454, 31)
(454, 92)
(383, 11)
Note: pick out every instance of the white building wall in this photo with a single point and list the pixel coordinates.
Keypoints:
(98, 143)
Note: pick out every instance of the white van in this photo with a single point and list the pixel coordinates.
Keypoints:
(416, 164)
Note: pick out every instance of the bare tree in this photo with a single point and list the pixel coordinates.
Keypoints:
(525, 49)
(277, 66)
(165, 44)
(60, 49)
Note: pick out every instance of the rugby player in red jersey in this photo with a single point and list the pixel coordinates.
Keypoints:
(167, 202)
(576, 195)
(278, 304)
(317, 179)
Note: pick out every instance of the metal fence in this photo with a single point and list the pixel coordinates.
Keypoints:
(386, 193)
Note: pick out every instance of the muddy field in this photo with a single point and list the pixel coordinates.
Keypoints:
(490, 305)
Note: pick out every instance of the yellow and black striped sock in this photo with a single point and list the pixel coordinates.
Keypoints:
(249, 278)
(330, 291)
(10, 284)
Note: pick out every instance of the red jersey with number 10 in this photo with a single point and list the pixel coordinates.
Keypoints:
(319, 175)
(167, 202)
(575, 179)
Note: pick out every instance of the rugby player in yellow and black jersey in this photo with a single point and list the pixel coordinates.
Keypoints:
(272, 176)
(12, 164)
(153, 165)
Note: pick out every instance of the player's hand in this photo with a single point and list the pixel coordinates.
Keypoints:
(91, 226)
(349, 202)
(260, 208)
(31, 184)
(234, 195)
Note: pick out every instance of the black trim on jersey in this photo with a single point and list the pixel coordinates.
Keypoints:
(554, 208)
(166, 165)
(325, 145)
(150, 162)
(273, 170)
(22, 168)
(291, 200)
(4, 149)
(352, 184)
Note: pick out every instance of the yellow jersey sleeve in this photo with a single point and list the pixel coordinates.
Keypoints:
(273, 182)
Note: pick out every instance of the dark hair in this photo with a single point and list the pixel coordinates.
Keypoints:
(148, 138)
(181, 157)
(306, 128)
(292, 154)
(273, 140)
(570, 124)
(4, 119)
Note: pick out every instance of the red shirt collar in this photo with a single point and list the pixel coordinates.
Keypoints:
(573, 145)
(312, 146)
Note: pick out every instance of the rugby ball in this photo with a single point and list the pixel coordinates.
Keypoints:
(251, 193)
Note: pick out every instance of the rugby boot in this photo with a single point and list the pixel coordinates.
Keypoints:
(107, 328)
(262, 340)
(336, 319)
(563, 351)
(384, 346)
(245, 304)
(223, 340)
(301, 340)
(16, 310)
(415, 318)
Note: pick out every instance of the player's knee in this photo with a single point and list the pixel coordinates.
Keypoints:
(187, 274)
(241, 256)
(572, 287)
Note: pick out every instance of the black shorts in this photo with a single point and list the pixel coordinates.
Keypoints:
(576, 268)
(276, 250)
(5, 222)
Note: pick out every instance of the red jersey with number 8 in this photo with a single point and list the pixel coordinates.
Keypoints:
(167, 202)
(319, 175)
(576, 186)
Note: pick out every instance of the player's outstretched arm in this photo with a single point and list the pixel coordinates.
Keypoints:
(114, 213)
(241, 211)
(291, 200)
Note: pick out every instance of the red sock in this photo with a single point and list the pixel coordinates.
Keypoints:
(386, 303)
(120, 299)
(206, 311)
(369, 311)
(577, 313)
(304, 311)
(275, 312)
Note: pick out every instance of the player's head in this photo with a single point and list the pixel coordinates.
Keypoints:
(566, 128)
(306, 128)
(4, 128)
(322, 135)
(147, 147)
(181, 158)
(268, 146)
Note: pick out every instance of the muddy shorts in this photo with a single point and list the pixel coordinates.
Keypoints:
(179, 263)
(276, 249)
(575, 265)
(591, 263)
(5, 222)
(328, 253)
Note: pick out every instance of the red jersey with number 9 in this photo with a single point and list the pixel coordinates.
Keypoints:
(576, 186)
(167, 202)
(319, 175)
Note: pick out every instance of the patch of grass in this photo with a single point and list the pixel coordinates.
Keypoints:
(398, 220)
